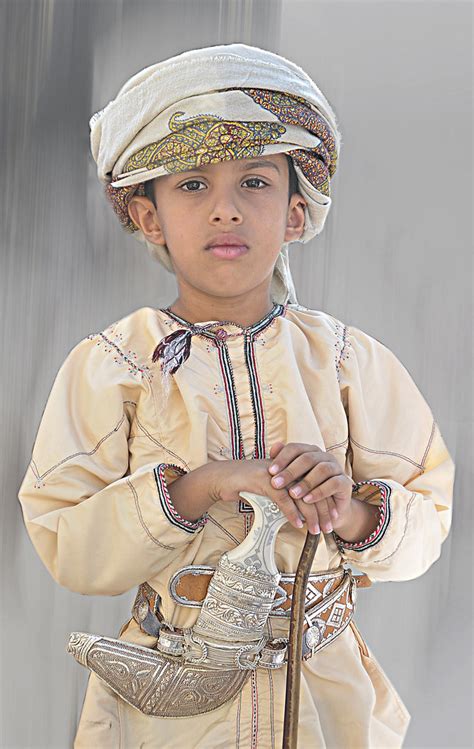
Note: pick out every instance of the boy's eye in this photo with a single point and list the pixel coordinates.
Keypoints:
(192, 185)
(193, 182)
(255, 179)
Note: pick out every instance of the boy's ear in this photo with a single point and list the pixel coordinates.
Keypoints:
(295, 220)
(143, 214)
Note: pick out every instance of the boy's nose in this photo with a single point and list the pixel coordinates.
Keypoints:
(225, 210)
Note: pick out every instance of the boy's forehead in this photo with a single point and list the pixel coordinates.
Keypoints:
(275, 162)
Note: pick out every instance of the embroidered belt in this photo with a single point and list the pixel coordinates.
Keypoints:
(198, 669)
(189, 585)
(330, 600)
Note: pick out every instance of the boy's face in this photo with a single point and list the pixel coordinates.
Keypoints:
(246, 198)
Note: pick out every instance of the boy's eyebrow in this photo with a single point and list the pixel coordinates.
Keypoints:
(246, 164)
(261, 163)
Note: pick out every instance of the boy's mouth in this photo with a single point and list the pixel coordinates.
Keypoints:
(227, 246)
(228, 252)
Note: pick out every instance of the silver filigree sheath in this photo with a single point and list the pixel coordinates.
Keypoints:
(240, 595)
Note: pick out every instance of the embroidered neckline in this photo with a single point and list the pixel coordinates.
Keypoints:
(205, 328)
(174, 349)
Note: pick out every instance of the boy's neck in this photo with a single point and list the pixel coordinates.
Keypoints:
(244, 312)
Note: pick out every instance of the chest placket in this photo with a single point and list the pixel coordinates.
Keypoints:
(256, 397)
(237, 443)
(237, 446)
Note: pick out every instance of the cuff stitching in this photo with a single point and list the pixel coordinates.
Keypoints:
(384, 519)
(190, 526)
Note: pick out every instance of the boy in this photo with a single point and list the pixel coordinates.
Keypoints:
(218, 159)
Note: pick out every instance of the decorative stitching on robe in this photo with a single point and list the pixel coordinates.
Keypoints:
(256, 398)
(162, 446)
(407, 512)
(423, 460)
(272, 708)
(81, 452)
(342, 345)
(386, 452)
(231, 400)
(237, 721)
(133, 368)
(143, 524)
(339, 444)
(254, 708)
(221, 527)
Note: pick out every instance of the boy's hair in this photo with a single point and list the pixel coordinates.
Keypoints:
(292, 186)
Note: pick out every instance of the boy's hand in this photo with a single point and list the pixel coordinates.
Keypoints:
(315, 481)
(226, 478)
(302, 466)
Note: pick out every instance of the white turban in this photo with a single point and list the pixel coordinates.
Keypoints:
(213, 104)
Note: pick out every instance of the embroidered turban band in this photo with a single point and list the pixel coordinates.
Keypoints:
(216, 104)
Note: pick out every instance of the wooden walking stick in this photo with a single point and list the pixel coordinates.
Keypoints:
(295, 647)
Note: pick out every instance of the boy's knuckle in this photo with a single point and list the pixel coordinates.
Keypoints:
(315, 493)
(326, 469)
(289, 474)
(292, 450)
(293, 515)
(323, 511)
(315, 519)
(305, 485)
(308, 460)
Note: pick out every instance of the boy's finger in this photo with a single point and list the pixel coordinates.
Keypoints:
(291, 451)
(310, 514)
(309, 469)
(325, 521)
(288, 508)
(336, 485)
(275, 449)
(332, 508)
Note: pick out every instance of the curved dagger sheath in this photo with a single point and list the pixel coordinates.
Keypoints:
(216, 655)
(154, 683)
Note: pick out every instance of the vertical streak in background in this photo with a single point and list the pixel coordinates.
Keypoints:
(68, 269)
(255, 22)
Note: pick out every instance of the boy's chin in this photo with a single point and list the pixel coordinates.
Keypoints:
(235, 291)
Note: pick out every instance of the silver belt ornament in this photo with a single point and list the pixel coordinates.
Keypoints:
(208, 664)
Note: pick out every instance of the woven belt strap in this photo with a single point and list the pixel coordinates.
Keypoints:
(330, 598)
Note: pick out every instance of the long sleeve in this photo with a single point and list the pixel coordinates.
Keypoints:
(98, 528)
(399, 462)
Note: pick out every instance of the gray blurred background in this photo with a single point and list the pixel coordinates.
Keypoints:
(394, 259)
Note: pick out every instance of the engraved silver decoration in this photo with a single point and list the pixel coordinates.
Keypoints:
(219, 652)
(241, 592)
(314, 635)
(197, 670)
(170, 642)
(142, 610)
(80, 644)
(154, 683)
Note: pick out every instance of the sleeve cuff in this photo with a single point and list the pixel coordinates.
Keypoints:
(381, 497)
(190, 526)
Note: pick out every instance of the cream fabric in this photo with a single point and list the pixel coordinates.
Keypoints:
(91, 506)
(159, 99)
